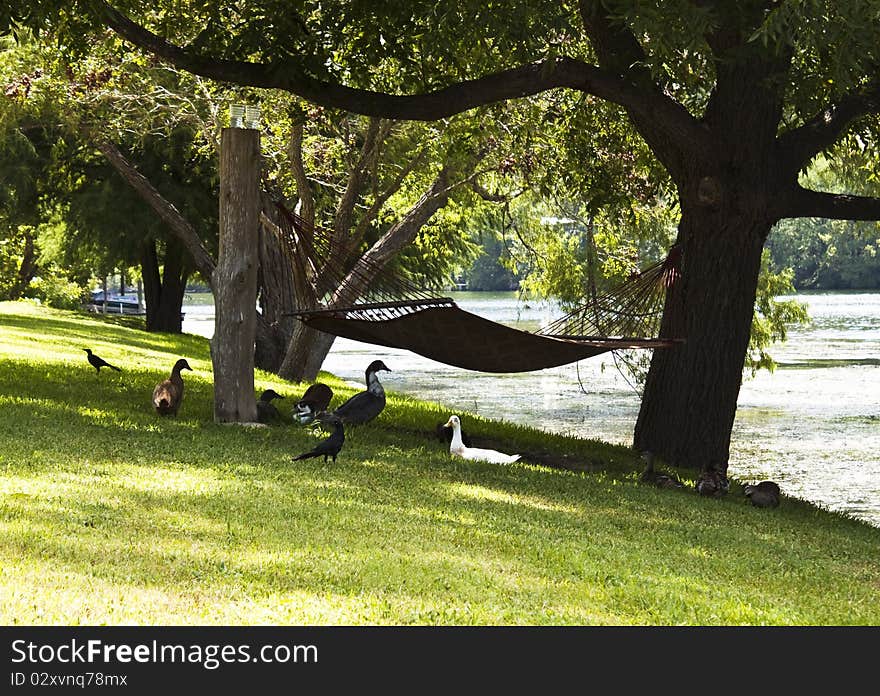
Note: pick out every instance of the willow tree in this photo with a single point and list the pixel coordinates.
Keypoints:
(734, 99)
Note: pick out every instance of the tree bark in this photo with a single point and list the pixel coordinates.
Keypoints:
(234, 281)
(690, 397)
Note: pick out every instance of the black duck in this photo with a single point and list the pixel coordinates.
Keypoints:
(366, 405)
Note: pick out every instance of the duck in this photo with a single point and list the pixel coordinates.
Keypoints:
(445, 432)
(764, 494)
(477, 454)
(712, 482)
(366, 405)
(266, 411)
(332, 446)
(656, 478)
(98, 362)
(168, 394)
(315, 400)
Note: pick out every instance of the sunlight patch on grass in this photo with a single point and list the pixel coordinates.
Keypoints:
(477, 492)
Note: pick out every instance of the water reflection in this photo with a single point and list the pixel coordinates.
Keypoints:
(813, 425)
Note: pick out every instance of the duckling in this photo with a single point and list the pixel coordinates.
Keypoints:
(168, 394)
(366, 405)
(656, 478)
(458, 448)
(316, 399)
(266, 411)
(764, 494)
(712, 482)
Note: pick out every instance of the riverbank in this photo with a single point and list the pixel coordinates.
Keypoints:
(111, 515)
(813, 425)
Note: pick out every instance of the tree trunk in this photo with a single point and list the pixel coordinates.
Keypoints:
(27, 270)
(234, 281)
(277, 296)
(164, 294)
(306, 353)
(690, 396)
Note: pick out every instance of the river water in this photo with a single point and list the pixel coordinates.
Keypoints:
(813, 425)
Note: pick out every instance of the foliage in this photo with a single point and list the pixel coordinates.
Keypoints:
(54, 289)
(772, 315)
(187, 522)
(828, 254)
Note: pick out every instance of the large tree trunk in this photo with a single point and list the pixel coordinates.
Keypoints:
(234, 281)
(691, 392)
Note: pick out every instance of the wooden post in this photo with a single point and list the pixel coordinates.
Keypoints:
(234, 281)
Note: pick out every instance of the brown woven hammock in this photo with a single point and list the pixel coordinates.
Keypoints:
(372, 305)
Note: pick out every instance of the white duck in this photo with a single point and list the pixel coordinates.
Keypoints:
(474, 453)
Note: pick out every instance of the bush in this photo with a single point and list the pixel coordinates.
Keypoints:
(55, 290)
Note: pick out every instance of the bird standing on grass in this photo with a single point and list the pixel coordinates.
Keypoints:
(458, 448)
(332, 445)
(98, 362)
(316, 399)
(366, 405)
(169, 392)
(266, 411)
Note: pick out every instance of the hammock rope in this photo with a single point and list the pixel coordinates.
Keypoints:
(373, 304)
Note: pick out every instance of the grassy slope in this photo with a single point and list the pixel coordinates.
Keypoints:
(110, 515)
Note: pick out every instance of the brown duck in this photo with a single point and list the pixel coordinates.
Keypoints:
(168, 394)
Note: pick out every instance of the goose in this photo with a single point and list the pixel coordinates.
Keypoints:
(764, 494)
(329, 447)
(316, 399)
(266, 411)
(169, 392)
(457, 447)
(366, 405)
(98, 362)
(656, 478)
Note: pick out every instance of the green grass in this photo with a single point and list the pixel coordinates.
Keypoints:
(111, 515)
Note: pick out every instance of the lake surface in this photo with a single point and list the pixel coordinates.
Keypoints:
(813, 425)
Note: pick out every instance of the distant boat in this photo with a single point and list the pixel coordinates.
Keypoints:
(116, 304)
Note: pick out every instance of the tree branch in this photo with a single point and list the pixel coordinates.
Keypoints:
(166, 210)
(800, 145)
(615, 45)
(526, 80)
(303, 188)
(801, 202)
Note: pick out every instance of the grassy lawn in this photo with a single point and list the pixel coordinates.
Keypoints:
(111, 515)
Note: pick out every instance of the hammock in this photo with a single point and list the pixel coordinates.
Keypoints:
(373, 305)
